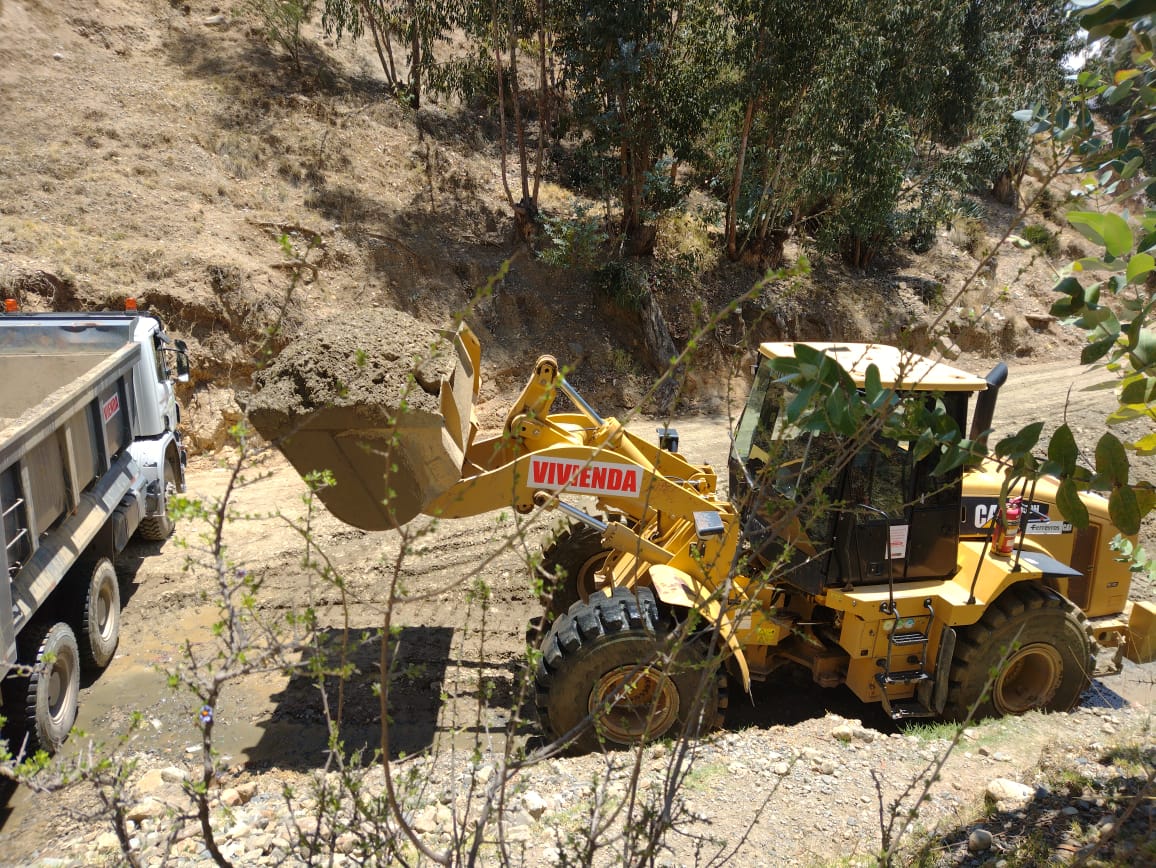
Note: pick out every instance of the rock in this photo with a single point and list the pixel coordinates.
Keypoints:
(150, 782)
(174, 775)
(1005, 791)
(107, 841)
(209, 416)
(230, 797)
(781, 769)
(979, 841)
(534, 804)
(246, 791)
(1070, 811)
(147, 809)
(429, 818)
(216, 21)
(852, 730)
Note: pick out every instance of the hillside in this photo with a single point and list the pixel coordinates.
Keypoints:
(159, 149)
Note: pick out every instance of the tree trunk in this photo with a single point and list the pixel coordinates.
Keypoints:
(660, 351)
(415, 57)
(737, 183)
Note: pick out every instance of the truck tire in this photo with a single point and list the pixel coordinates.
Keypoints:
(595, 685)
(1049, 664)
(568, 566)
(160, 527)
(51, 692)
(97, 617)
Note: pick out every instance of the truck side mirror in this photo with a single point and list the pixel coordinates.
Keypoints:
(182, 361)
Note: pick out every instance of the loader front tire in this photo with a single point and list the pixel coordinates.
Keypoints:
(610, 677)
(1029, 651)
(568, 567)
(97, 613)
(160, 527)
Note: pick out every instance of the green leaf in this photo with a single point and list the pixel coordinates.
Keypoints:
(1138, 389)
(1139, 265)
(1093, 352)
(1124, 510)
(1146, 445)
(1110, 230)
(1063, 450)
(1020, 443)
(1143, 353)
(1112, 460)
(1070, 505)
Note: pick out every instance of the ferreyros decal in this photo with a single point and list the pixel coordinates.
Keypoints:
(978, 513)
(585, 477)
(110, 408)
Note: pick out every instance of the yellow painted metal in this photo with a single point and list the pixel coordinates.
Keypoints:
(1104, 584)
(898, 369)
(1141, 644)
(684, 590)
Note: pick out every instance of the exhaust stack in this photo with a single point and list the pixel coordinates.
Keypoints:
(985, 403)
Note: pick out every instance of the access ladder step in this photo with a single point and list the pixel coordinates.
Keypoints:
(909, 676)
(907, 709)
(909, 639)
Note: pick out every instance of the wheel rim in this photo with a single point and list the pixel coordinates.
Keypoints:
(632, 703)
(585, 582)
(1029, 680)
(58, 683)
(104, 605)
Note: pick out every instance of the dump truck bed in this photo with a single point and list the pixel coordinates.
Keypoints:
(68, 419)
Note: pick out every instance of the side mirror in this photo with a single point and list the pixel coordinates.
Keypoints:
(182, 361)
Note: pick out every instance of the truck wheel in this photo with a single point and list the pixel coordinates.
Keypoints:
(97, 621)
(51, 692)
(568, 567)
(160, 527)
(605, 672)
(1048, 666)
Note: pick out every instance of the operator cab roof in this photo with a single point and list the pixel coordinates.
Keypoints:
(898, 369)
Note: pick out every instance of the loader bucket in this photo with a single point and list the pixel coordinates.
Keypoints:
(390, 452)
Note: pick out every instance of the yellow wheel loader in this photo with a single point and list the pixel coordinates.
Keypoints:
(850, 557)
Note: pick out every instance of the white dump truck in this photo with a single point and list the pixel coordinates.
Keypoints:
(89, 454)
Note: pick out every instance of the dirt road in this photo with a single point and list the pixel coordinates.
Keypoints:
(271, 720)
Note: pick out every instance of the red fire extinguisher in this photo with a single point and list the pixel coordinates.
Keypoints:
(1007, 527)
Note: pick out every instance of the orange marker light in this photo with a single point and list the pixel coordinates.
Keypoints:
(10, 305)
(130, 304)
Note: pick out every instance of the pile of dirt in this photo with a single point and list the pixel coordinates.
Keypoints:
(382, 402)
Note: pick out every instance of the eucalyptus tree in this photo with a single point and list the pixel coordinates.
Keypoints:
(642, 78)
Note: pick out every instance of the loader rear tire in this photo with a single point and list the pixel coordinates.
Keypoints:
(160, 527)
(1048, 665)
(97, 614)
(568, 567)
(52, 691)
(608, 677)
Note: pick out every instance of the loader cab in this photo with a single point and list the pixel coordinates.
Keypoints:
(834, 512)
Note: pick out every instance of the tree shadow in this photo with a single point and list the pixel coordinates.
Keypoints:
(423, 682)
(1080, 814)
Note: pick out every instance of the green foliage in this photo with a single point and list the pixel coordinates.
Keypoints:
(574, 242)
(282, 22)
(863, 123)
(624, 282)
(400, 29)
(1043, 238)
(641, 79)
